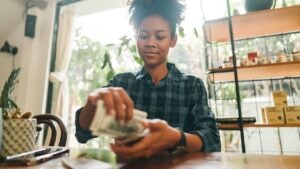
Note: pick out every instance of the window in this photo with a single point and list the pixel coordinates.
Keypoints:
(99, 33)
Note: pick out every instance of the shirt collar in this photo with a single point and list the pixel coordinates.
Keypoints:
(173, 74)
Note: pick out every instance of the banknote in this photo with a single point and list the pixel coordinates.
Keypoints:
(106, 124)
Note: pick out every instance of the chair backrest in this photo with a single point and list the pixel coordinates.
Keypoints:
(56, 125)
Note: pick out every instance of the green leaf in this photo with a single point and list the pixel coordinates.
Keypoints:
(110, 45)
(181, 31)
(133, 48)
(106, 59)
(124, 41)
(110, 75)
(138, 59)
(12, 104)
(6, 102)
(196, 32)
(120, 50)
(123, 38)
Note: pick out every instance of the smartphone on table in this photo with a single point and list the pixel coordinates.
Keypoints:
(35, 157)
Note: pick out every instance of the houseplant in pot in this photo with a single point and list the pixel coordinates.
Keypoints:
(19, 130)
(256, 5)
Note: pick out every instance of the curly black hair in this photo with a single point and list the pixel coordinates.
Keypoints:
(170, 10)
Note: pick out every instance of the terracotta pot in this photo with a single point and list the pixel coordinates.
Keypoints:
(18, 136)
(256, 5)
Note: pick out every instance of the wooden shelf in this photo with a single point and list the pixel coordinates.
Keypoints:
(236, 126)
(254, 24)
(257, 72)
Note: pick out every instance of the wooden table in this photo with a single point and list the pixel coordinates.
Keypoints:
(217, 161)
(195, 161)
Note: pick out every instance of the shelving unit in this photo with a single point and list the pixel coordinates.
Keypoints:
(236, 127)
(259, 24)
(256, 72)
(254, 24)
(262, 126)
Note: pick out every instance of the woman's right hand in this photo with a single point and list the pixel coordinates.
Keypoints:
(117, 102)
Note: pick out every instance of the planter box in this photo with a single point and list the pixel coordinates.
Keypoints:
(18, 136)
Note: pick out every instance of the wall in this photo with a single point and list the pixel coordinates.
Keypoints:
(33, 55)
(11, 30)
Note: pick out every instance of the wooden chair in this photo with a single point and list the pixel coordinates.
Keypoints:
(56, 125)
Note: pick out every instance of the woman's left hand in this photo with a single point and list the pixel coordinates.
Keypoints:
(161, 137)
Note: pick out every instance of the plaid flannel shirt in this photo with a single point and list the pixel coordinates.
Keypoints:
(179, 99)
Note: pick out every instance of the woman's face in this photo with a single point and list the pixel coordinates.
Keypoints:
(154, 40)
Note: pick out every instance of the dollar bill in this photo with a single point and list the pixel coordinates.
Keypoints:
(106, 124)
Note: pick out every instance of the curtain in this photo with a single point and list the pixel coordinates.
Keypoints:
(63, 56)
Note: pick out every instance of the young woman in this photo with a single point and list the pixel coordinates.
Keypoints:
(179, 117)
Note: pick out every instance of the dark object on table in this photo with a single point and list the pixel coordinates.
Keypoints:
(234, 120)
(34, 157)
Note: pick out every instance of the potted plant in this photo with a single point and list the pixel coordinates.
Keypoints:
(19, 130)
(256, 5)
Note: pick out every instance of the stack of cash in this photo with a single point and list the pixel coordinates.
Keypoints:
(106, 124)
